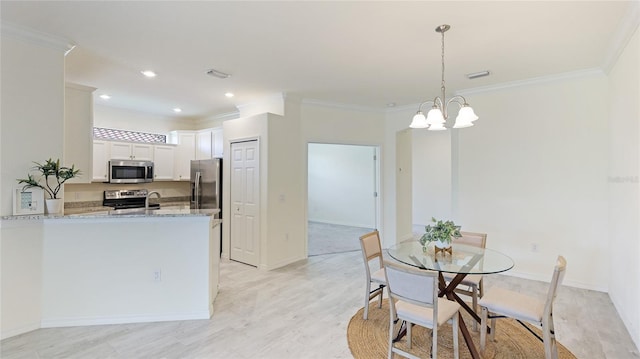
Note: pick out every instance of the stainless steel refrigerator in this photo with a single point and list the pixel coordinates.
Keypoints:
(206, 187)
(206, 184)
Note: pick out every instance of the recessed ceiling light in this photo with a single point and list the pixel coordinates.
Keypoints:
(177, 110)
(148, 73)
(104, 96)
(391, 104)
(229, 94)
(475, 75)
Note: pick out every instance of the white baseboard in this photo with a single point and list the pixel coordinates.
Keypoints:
(4, 334)
(123, 319)
(546, 279)
(280, 264)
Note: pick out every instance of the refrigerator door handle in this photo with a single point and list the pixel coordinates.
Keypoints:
(198, 179)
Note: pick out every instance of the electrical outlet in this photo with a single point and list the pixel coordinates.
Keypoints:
(157, 275)
(534, 247)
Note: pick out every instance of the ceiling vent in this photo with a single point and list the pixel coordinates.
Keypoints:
(218, 74)
(475, 75)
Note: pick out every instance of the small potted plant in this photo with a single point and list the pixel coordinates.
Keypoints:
(50, 169)
(440, 233)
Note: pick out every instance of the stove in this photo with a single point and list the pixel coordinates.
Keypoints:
(124, 199)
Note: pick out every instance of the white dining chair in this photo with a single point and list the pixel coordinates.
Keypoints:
(413, 298)
(374, 269)
(503, 303)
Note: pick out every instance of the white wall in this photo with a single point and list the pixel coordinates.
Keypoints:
(432, 176)
(21, 302)
(533, 172)
(341, 184)
(31, 129)
(398, 174)
(624, 201)
(32, 110)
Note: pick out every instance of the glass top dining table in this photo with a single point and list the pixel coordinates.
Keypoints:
(461, 261)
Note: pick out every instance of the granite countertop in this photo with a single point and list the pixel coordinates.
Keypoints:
(166, 210)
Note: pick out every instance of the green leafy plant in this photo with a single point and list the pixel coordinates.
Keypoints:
(50, 169)
(440, 231)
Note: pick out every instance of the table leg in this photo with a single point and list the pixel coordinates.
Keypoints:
(448, 291)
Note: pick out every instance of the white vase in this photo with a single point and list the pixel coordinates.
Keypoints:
(54, 206)
(441, 244)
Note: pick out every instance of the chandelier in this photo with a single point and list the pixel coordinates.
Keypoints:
(437, 116)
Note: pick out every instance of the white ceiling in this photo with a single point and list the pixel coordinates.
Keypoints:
(361, 53)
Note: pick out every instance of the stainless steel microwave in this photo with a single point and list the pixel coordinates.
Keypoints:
(130, 171)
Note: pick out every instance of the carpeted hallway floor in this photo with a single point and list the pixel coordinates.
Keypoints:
(332, 238)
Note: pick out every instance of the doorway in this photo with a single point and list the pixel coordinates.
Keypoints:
(343, 196)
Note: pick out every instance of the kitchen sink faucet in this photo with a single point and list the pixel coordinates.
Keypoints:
(146, 201)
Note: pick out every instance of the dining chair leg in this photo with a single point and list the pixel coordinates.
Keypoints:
(483, 329)
(546, 337)
(554, 343)
(434, 340)
(366, 301)
(380, 290)
(391, 334)
(456, 328)
(474, 305)
(494, 329)
(409, 326)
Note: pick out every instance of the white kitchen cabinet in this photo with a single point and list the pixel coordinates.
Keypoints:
(131, 151)
(204, 145)
(218, 142)
(101, 156)
(163, 162)
(78, 130)
(184, 153)
(209, 143)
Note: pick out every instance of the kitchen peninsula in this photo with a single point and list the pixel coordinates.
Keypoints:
(105, 268)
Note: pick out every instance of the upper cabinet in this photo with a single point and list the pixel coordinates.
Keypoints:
(185, 152)
(101, 155)
(204, 144)
(78, 130)
(131, 151)
(209, 143)
(163, 162)
(163, 157)
(218, 142)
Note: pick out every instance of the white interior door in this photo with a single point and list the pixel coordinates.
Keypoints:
(245, 202)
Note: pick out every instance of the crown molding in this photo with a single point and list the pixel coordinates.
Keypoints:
(621, 37)
(532, 81)
(36, 37)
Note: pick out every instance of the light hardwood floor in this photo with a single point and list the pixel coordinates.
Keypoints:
(300, 311)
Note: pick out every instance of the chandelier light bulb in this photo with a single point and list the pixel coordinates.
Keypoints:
(419, 121)
(467, 113)
(435, 117)
(465, 118)
(437, 127)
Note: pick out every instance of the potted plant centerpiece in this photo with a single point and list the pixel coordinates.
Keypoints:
(440, 233)
(50, 169)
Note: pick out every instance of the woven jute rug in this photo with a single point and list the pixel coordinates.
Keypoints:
(369, 339)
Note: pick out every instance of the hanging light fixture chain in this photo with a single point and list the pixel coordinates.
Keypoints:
(443, 30)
